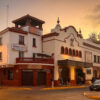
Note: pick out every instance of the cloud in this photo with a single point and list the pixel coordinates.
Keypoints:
(94, 16)
(96, 9)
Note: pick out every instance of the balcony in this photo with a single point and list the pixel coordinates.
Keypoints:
(35, 60)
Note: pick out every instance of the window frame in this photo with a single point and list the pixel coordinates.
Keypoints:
(34, 42)
(66, 51)
(0, 40)
(21, 39)
(0, 55)
(95, 58)
(21, 54)
(10, 74)
(62, 50)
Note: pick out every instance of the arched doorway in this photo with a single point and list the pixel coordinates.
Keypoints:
(65, 75)
(80, 76)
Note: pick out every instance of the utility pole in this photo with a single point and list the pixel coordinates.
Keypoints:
(7, 13)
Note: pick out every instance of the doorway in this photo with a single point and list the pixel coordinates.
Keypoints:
(65, 76)
(80, 76)
(41, 78)
(27, 77)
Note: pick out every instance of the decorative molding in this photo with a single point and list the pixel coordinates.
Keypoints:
(92, 46)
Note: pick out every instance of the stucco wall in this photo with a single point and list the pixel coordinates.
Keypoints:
(13, 38)
(4, 48)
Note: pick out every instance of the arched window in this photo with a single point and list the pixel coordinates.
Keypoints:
(76, 52)
(66, 50)
(70, 51)
(73, 52)
(80, 54)
(62, 50)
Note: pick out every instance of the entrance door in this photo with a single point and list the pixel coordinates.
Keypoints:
(65, 75)
(41, 79)
(80, 76)
(27, 77)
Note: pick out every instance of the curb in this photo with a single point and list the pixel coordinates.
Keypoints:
(92, 96)
(16, 88)
(60, 88)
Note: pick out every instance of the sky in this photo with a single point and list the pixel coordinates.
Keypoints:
(82, 14)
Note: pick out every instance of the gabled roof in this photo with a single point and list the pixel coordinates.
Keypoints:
(26, 17)
(50, 35)
(78, 35)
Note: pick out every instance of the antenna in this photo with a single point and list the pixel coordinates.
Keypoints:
(7, 8)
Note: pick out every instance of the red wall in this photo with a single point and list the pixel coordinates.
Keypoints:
(17, 76)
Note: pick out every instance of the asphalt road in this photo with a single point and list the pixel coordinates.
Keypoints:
(22, 94)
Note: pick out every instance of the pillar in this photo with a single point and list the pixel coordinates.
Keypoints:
(56, 76)
(72, 75)
(48, 78)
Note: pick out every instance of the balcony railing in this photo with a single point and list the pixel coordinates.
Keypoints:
(35, 60)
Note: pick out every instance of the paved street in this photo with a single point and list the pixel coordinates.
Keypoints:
(33, 94)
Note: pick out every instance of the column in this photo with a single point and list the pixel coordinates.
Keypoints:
(48, 78)
(72, 75)
(56, 76)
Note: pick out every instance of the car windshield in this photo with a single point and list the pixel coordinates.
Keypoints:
(97, 81)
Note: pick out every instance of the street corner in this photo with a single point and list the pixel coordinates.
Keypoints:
(92, 95)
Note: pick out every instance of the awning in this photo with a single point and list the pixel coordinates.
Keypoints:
(74, 63)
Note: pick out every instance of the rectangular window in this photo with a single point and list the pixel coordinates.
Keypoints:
(21, 54)
(0, 55)
(88, 71)
(95, 58)
(99, 59)
(0, 41)
(34, 42)
(21, 40)
(10, 74)
(34, 55)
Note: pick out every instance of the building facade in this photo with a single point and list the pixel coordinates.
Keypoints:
(21, 59)
(27, 57)
(76, 60)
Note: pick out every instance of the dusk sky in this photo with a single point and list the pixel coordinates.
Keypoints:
(82, 14)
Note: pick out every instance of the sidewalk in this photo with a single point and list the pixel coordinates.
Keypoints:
(65, 87)
(93, 95)
(22, 87)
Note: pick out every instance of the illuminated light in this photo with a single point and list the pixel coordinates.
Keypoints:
(72, 72)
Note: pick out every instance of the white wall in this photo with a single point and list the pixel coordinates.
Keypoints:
(10, 55)
(63, 39)
(4, 48)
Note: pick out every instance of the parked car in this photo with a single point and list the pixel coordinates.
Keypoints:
(95, 85)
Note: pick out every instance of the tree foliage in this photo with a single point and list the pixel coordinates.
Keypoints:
(95, 38)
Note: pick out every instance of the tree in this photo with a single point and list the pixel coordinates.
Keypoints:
(95, 38)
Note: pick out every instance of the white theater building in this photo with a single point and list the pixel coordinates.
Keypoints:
(76, 60)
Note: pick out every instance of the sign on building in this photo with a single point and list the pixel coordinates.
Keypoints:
(19, 47)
